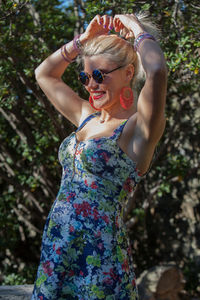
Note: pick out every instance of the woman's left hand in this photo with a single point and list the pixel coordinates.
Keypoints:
(128, 24)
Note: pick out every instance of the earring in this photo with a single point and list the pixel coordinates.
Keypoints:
(126, 97)
(92, 103)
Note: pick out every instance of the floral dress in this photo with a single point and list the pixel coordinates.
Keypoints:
(86, 252)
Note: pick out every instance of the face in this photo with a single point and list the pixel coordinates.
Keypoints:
(106, 95)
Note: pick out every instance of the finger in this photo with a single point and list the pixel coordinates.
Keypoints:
(98, 19)
(121, 26)
(131, 34)
(117, 29)
(123, 32)
(105, 21)
(110, 25)
(118, 25)
(116, 22)
(127, 36)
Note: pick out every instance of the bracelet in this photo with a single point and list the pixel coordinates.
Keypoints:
(77, 43)
(65, 54)
(140, 37)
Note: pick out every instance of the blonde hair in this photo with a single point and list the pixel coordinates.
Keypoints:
(112, 47)
(121, 51)
(115, 49)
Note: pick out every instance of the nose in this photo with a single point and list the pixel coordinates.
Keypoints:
(92, 83)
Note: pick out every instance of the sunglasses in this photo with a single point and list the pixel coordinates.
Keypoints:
(97, 75)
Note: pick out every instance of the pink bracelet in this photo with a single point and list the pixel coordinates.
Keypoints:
(77, 43)
(140, 37)
(65, 54)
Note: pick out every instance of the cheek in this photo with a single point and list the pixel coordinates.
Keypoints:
(86, 88)
(112, 88)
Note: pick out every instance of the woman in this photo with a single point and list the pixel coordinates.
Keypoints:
(86, 253)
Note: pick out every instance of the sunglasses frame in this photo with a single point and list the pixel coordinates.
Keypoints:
(92, 76)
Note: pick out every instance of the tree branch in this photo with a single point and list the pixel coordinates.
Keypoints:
(14, 12)
(13, 125)
(23, 219)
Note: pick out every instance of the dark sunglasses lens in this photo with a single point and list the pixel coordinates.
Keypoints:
(97, 75)
(83, 77)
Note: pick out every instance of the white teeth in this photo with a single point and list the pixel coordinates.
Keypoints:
(97, 93)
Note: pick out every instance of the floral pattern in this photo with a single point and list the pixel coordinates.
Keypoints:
(86, 252)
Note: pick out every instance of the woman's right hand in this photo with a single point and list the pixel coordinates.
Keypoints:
(98, 26)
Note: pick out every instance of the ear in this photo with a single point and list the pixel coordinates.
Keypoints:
(129, 72)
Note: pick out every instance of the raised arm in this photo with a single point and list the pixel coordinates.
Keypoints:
(151, 101)
(50, 71)
(150, 120)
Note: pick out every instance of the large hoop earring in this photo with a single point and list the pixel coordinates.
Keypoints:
(92, 103)
(126, 101)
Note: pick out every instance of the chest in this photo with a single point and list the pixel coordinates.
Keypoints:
(96, 130)
(99, 157)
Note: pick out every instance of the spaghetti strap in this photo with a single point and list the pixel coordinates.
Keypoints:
(87, 120)
(118, 131)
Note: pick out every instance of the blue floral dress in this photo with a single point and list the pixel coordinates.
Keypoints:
(86, 252)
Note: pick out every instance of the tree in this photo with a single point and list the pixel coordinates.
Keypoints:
(31, 131)
(30, 126)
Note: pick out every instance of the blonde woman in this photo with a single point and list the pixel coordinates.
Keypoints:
(86, 253)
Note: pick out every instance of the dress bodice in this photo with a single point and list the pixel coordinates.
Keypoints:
(98, 159)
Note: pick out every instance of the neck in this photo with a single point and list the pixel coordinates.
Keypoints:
(115, 113)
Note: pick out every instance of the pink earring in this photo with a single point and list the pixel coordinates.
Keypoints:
(92, 103)
(126, 97)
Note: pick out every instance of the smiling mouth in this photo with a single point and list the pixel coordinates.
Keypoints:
(99, 95)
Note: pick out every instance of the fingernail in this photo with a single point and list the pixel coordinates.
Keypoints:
(104, 26)
(110, 27)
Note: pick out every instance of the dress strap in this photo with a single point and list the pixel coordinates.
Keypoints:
(117, 132)
(87, 120)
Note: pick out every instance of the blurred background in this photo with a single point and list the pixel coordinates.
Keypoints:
(164, 220)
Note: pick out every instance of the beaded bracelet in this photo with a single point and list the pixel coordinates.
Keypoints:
(140, 37)
(77, 43)
(65, 54)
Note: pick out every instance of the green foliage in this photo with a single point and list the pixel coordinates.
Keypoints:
(13, 279)
(31, 130)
